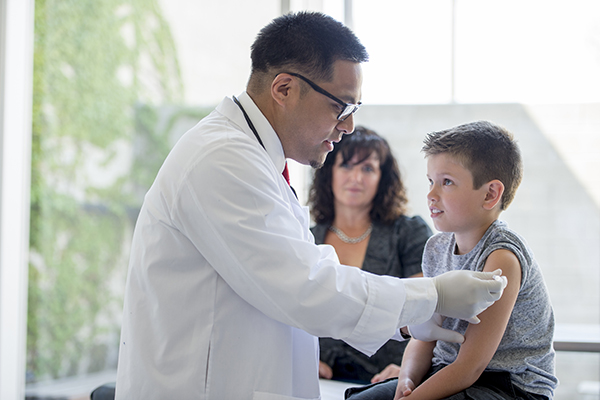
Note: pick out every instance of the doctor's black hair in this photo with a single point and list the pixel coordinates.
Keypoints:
(305, 42)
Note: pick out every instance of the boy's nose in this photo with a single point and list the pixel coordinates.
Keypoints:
(431, 196)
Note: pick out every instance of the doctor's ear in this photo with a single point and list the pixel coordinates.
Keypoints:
(493, 195)
(282, 87)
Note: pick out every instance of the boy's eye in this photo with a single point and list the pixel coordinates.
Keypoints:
(447, 182)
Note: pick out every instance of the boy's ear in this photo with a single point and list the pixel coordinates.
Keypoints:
(493, 196)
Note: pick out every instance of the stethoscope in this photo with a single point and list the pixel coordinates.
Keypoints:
(249, 121)
(253, 129)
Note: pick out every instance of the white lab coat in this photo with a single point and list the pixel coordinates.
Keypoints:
(226, 290)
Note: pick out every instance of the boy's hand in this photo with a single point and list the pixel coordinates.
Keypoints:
(465, 294)
(432, 330)
(404, 388)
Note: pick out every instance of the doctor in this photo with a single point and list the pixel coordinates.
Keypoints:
(226, 290)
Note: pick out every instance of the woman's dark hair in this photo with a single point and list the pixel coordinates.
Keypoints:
(390, 200)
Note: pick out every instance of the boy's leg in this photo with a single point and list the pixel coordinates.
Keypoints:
(376, 391)
(385, 390)
(494, 386)
(489, 386)
(480, 393)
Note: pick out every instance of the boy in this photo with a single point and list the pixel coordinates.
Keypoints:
(474, 170)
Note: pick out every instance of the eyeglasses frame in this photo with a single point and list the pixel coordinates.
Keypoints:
(347, 106)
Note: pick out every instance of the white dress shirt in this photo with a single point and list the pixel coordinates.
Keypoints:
(227, 292)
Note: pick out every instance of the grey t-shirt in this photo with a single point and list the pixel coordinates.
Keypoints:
(526, 347)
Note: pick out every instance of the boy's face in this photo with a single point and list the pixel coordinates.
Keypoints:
(453, 203)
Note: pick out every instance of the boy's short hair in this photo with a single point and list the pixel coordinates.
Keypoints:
(304, 42)
(487, 150)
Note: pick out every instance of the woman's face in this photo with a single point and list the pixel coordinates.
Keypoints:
(355, 185)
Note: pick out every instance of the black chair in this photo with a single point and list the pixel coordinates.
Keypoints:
(104, 392)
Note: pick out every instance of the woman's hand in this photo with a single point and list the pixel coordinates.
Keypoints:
(404, 388)
(325, 371)
(391, 371)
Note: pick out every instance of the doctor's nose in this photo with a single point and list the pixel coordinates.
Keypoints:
(346, 126)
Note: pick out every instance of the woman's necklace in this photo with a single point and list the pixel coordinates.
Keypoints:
(351, 240)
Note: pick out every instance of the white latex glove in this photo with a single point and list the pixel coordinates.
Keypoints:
(465, 294)
(432, 330)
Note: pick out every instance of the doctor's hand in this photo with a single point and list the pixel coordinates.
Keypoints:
(465, 294)
(432, 330)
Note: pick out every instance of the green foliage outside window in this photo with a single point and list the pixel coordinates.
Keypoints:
(102, 71)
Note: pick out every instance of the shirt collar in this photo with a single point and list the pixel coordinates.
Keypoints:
(265, 130)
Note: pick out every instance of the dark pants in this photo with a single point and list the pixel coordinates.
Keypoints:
(104, 392)
(491, 385)
(347, 369)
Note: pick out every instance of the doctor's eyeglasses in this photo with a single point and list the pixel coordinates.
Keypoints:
(347, 108)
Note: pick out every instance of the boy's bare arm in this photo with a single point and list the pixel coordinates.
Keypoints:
(481, 340)
(415, 364)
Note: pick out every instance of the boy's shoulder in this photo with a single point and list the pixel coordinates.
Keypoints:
(500, 236)
(440, 248)
(499, 232)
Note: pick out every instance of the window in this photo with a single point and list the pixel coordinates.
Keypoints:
(531, 67)
(116, 83)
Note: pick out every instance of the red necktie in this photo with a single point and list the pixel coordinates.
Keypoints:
(286, 174)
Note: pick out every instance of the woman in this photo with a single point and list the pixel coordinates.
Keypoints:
(358, 202)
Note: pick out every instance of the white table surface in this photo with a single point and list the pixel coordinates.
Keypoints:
(333, 390)
(577, 337)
